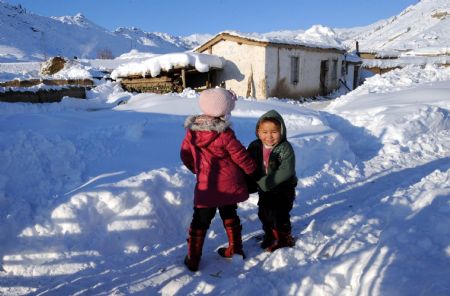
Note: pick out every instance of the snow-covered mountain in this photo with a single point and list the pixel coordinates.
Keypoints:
(423, 27)
(26, 36)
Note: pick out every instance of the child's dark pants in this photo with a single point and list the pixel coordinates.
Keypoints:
(203, 216)
(274, 209)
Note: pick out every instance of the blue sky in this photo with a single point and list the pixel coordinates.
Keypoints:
(182, 17)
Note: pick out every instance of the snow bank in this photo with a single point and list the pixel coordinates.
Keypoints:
(31, 70)
(405, 119)
(94, 198)
(401, 79)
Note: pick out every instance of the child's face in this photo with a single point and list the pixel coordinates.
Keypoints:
(269, 133)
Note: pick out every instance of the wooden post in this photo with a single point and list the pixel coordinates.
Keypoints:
(208, 80)
(183, 77)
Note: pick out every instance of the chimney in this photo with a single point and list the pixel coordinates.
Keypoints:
(357, 49)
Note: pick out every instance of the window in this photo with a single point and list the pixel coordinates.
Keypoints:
(294, 70)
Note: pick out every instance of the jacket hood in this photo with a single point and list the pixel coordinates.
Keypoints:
(204, 129)
(273, 115)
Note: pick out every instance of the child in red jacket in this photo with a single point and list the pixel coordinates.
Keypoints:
(212, 152)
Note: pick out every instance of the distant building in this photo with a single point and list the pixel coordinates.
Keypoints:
(382, 61)
(267, 68)
(351, 71)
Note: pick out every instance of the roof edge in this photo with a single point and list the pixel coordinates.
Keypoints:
(253, 41)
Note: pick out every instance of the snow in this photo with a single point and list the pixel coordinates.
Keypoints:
(19, 71)
(404, 61)
(317, 36)
(29, 37)
(31, 70)
(73, 69)
(400, 78)
(423, 25)
(94, 198)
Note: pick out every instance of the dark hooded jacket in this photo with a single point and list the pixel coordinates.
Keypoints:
(211, 151)
(281, 168)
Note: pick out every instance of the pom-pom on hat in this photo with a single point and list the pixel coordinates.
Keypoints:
(217, 102)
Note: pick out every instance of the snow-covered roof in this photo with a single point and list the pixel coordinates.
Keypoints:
(352, 57)
(429, 51)
(405, 61)
(154, 65)
(316, 37)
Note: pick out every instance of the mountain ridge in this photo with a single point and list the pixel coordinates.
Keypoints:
(39, 37)
(423, 26)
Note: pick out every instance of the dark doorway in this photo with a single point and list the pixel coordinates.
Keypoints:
(355, 76)
(323, 77)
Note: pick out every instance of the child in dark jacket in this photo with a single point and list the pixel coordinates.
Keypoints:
(276, 180)
(212, 152)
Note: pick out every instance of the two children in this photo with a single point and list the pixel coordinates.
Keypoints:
(220, 162)
(212, 152)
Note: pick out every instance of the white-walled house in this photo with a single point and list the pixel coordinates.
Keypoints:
(263, 68)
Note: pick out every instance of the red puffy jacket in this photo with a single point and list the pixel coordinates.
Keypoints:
(212, 152)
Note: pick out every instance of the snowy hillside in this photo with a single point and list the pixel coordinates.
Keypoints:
(26, 37)
(425, 26)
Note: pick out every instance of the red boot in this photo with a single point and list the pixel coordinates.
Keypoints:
(195, 246)
(233, 229)
(282, 240)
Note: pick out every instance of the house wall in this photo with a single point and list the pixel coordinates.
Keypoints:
(260, 71)
(244, 68)
(278, 69)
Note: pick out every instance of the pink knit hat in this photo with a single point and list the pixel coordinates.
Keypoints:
(217, 102)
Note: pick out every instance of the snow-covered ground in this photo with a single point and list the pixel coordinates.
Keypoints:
(94, 198)
(131, 63)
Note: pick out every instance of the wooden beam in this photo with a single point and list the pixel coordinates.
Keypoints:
(33, 82)
(183, 78)
(146, 80)
(43, 96)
